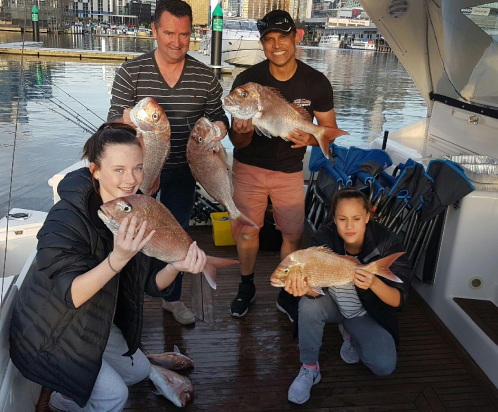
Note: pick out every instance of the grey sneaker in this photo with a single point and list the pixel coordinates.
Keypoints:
(180, 312)
(59, 404)
(348, 353)
(299, 391)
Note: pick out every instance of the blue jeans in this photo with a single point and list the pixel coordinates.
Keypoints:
(374, 344)
(177, 193)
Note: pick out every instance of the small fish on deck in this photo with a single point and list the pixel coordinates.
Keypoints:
(273, 115)
(319, 267)
(170, 243)
(171, 360)
(177, 388)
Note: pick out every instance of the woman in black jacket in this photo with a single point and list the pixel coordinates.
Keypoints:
(365, 310)
(76, 326)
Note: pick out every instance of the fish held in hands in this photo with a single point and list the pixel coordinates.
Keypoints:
(273, 115)
(154, 133)
(319, 267)
(170, 243)
(177, 388)
(171, 360)
(208, 162)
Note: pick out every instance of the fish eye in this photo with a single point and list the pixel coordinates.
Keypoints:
(125, 207)
(183, 362)
(243, 94)
(200, 139)
(286, 270)
(185, 391)
(155, 116)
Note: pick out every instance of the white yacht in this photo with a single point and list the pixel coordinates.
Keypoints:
(452, 56)
(361, 44)
(240, 42)
(331, 40)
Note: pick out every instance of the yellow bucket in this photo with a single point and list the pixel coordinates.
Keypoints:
(222, 232)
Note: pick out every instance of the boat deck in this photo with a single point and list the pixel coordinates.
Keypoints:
(247, 364)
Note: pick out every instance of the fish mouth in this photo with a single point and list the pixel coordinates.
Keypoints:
(277, 283)
(108, 220)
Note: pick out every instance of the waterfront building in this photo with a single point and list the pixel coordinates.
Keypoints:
(200, 12)
(139, 9)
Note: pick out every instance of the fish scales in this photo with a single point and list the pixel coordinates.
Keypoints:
(319, 267)
(273, 115)
(154, 132)
(208, 162)
(170, 243)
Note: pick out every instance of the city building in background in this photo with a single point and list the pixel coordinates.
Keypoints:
(200, 12)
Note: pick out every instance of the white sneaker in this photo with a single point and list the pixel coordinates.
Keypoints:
(348, 353)
(299, 391)
(59, 404)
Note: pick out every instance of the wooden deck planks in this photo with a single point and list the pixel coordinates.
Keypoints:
(247, 364)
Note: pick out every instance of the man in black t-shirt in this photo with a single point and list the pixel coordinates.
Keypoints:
(271, 166)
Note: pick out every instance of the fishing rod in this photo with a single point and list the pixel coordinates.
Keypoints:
(16, 128)
(67, 118)
(75, 114)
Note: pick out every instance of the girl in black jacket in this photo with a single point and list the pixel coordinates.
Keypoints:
(365, 310)
(76, 326)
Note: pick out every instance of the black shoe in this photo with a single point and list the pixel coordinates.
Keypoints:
(246, 294)
(288, 304)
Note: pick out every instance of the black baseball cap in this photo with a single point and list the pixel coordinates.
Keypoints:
(276, 20)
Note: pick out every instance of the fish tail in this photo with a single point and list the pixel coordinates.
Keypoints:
(212, 265)
(237, 223)
(322, 141)
(381, 267)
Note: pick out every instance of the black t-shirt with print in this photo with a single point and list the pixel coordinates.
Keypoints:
(310, 89)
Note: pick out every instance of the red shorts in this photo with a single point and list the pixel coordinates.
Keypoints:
(252, 186)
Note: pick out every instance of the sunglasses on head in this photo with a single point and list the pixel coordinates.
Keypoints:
(263, 24)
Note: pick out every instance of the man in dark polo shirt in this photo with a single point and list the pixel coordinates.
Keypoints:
(187, 90)
(271, 166)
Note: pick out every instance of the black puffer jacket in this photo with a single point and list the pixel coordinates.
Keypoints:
(53, 343)
(379, 242)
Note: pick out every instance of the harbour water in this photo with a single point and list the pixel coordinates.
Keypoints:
(48, 107)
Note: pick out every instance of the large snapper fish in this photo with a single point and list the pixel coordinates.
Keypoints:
(273, 115)
(319, 267)
(170, 243)
(208, 162)
(171, 360)
(154, 133)
(177, 388)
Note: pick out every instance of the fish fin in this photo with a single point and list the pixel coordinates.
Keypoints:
(381, 267)
(322, 141)
(175, 349)
(214, 263)
(262, 132)
(302, 112)
(325, 249)
(236, 225)
(276, 92)
(222, 153)
(318, 290)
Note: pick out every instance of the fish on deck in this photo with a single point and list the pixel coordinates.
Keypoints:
(177, 388)
(171, 360)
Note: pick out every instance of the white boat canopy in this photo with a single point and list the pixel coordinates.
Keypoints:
(448, 47)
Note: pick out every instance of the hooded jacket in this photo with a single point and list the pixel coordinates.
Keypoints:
(52, 342)
(379, 242)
